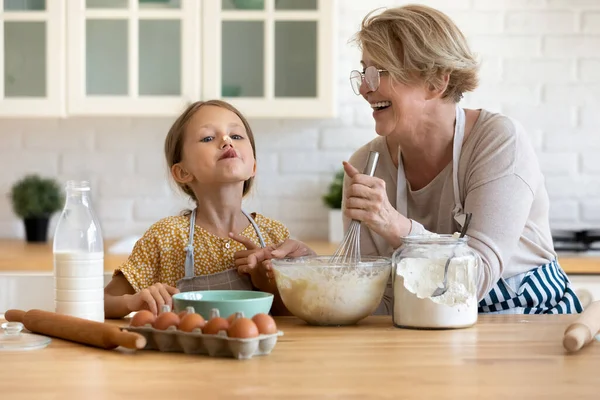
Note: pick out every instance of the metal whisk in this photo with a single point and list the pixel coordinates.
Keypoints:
(348, 252)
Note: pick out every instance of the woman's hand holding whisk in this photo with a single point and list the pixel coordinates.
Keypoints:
(366, 200)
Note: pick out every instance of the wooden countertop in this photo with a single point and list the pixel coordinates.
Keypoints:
(20, 256)
(501, 357)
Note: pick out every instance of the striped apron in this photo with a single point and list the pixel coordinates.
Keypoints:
(542, 290)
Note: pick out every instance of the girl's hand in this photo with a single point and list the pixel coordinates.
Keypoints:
(366, 200)
(247, 262)
(252, 257)
(152, 298)
(291, 248)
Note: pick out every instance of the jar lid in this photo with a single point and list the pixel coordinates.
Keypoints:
(435, 239)
(12, 338)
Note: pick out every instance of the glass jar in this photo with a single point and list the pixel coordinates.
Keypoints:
(79, 257)
(418, 270)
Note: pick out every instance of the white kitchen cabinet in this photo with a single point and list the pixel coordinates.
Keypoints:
(131, 57)
(270, 58)
(32, 64)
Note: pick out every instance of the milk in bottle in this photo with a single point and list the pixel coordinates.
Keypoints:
(79, 256)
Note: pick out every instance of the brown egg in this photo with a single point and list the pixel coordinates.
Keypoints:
(166, 320)
(242, 328)
(191, 321)
(265, 324)
(187, 310)
(231, 318)
(214, 325)
(143, 317)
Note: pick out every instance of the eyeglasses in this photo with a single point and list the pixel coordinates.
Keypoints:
(370, 76)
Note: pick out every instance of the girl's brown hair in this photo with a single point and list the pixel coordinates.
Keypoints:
(174, 140)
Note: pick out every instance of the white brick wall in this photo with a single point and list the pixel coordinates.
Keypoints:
(540, 65)
(589, 70)
(536, 22)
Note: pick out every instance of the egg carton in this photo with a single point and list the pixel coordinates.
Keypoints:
(215, 345)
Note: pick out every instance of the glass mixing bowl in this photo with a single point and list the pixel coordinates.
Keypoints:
(320, 293)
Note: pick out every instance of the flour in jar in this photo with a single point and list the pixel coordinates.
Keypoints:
(415, 281)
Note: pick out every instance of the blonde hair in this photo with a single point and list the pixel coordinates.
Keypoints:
(174, 139)
(418, 42)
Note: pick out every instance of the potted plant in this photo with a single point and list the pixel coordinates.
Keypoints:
(34, 200)
(333, 200)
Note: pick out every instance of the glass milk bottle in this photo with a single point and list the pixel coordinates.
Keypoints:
(79, 257)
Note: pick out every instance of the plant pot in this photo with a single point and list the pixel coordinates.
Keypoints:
(36, 229)
(336, 226)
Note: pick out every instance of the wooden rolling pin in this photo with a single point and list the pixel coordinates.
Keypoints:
(584, 329)
(78, 330)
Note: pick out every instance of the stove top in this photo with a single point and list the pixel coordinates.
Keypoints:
(576, 241)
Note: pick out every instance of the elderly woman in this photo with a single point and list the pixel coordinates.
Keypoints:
(439, 161)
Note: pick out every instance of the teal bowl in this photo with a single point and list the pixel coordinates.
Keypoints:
(226, 301)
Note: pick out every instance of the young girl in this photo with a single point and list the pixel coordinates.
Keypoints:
(211, 154)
